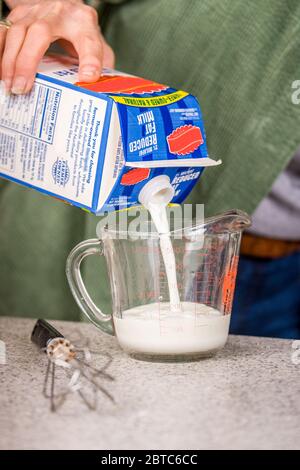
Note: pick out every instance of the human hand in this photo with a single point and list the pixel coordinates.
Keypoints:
(35, 24)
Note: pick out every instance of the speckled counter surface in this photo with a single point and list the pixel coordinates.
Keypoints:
(246, 397)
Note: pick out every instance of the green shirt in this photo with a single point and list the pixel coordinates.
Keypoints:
(240, 59)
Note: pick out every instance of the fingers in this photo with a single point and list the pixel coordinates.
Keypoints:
(35, 44)
(34, 28)
(25, 44)
(14, 40)
(18, 12)
(3, 31)
(90, 52)
(88, 45)
(10, 43)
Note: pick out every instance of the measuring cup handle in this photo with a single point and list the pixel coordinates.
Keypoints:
(78, 289)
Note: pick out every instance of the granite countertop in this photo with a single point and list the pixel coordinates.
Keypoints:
(246, 397)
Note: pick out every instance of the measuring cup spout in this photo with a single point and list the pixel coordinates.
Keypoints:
(230, 221)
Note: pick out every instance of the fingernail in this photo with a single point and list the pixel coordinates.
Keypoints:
(88, 71)
(18, 86)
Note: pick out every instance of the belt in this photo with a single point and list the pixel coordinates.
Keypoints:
(263, 247)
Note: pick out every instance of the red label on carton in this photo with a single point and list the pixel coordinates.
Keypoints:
(185, 139)
(123, 84)
(135, 176)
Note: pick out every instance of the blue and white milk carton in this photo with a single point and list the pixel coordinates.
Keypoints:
(96, 145)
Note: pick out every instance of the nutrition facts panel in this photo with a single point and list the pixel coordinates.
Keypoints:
(34, 114)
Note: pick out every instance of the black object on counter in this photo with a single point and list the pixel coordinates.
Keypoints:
(43, 332)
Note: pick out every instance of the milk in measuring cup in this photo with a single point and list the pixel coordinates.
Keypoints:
(175, 327)
(157, 329)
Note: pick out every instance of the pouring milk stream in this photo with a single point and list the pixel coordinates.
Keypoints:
(155, 196)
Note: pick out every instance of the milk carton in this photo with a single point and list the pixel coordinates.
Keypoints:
(96, 145)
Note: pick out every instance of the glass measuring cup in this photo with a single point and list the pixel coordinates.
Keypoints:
(206, 259)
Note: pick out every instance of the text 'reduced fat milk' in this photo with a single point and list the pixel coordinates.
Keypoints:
(96, 145)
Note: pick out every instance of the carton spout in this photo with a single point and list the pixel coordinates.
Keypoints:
(158, 191)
